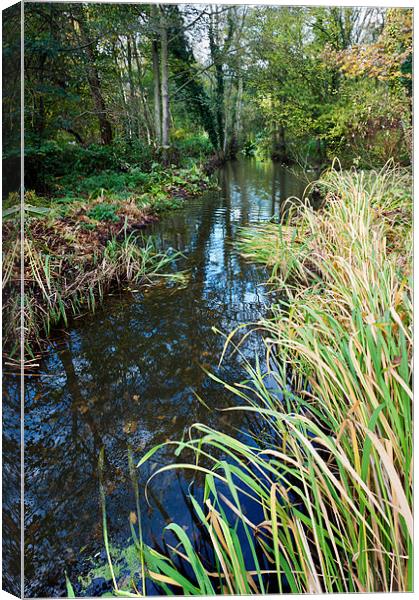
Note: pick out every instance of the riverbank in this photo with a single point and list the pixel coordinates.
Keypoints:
(331, 473)
(81, 243)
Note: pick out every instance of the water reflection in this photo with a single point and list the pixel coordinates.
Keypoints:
(130, 375)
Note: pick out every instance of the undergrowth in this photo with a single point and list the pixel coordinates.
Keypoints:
(80, 241)
(60, 286)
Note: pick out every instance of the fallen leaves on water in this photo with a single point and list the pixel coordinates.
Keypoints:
(130, 426)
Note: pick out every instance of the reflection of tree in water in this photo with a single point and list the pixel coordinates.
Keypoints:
(11, 483)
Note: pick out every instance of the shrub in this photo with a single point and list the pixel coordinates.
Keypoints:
(192, 148)
(51, 160)
(104, 212)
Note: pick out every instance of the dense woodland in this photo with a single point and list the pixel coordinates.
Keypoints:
(116, 86)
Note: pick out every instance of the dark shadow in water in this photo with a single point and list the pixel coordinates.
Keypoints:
(129, 374)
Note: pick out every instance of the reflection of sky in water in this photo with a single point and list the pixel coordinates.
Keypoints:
(129, 374)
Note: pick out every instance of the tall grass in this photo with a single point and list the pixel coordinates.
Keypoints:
(61, 286)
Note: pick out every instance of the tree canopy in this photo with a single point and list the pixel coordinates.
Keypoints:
(154, 82)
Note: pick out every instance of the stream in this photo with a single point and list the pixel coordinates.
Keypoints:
(129, 375)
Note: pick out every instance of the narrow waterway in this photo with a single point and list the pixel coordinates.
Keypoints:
(129, 376)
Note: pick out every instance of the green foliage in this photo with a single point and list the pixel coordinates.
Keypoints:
(390, 57)
(190, 148)
(12, 199)
(104, 212)
(364, 126)
(53, 161)
(34, 205)
(157, 182)
(309, 83)
(305, 86)
(250, 148)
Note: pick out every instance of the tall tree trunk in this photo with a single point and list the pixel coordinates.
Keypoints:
(100, 106)
(165, 130)
(279, 151)
(220, 100)
(218, 54)
(228, 122)
(147, 117)
(94, 80)
(236, 124)
(279, 147)
(157, 98)
(239, 106)
(219, 78)
(129, 69)
(282, 144)
(39, 114)
(126, 119)
(156, 77)
(133, 107)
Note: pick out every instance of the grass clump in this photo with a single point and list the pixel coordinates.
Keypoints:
(103, 212)
(68, 270)
(319, 497)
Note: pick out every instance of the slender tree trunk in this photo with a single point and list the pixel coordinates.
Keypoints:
(279, 150)
(133, 108)
(220, 100)
(228, 122)
(219, 82)
(165, 130)
(104, 124)
(236, 124)
(94, 81)
(126, 119)
(39, 113)
(239, 105)
(147, 117)
(157, 98)
(218, 54)
(156, 75)
(282, 144)
(129, 69)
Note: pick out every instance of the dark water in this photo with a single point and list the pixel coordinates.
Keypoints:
(128, 375)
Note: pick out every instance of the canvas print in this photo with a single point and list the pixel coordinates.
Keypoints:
(207, 299)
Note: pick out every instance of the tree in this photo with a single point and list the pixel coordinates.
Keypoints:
(164, 72)
(302, 82)
(81, 26)
(156, 76)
